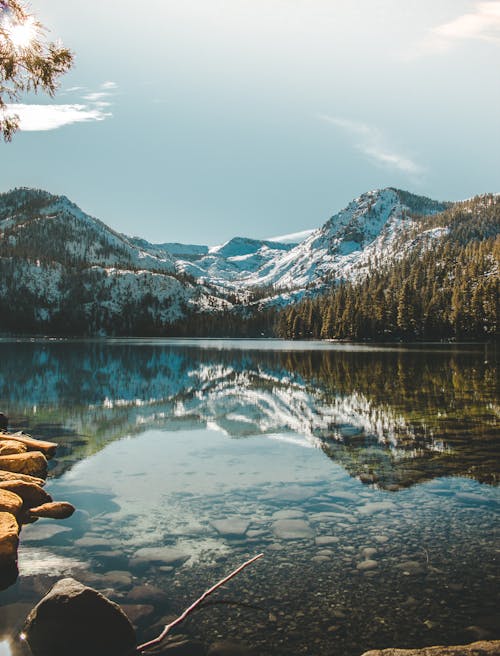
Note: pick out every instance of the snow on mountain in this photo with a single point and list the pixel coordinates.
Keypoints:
(365, 231)
(46, 240)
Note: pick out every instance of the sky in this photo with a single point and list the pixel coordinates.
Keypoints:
(198, 120)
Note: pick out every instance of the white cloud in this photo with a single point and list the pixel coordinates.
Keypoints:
(34, 118)
(50, 117)
(483, 23)
(370, 141)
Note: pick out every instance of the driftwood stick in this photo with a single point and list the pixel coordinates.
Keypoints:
(181, 618)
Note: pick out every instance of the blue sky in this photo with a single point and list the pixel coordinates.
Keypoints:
(199, 120)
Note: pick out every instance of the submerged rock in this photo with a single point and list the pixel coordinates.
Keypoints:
(75, 619)
(233, 527)
(292, 529)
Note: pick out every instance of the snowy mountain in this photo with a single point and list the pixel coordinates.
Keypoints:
(62, 270)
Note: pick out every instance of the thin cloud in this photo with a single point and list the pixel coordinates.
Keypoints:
(370, 141)
(39, 118)
(35, 118)
(483, 24)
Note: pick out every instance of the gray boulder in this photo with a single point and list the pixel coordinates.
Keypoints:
(75, 619)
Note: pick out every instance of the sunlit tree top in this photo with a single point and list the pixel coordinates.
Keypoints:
(28, 60)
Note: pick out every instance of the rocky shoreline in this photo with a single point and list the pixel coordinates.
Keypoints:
(23, 471)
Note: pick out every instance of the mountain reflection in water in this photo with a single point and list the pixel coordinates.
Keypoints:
(393, 417)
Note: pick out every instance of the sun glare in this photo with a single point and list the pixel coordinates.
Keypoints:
(20, 34)
(5, 648)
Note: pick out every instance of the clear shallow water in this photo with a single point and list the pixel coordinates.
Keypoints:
(366, 476)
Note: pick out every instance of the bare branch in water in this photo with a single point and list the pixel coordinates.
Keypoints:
(152, 643)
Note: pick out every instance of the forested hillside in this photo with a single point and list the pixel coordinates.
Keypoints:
(444, 290)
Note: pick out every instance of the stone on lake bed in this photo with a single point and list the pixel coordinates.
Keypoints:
(231, 527)
(376, 506)
(292, 529)
(164, 555)
(75, 619)
(366, 565)
(146, 592)
(289, 514)
(325, 540)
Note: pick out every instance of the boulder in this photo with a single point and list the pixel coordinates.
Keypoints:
(9, 538)
(8, 447)
(16, 476)
(31, 444)
(30, 493)
(75, 619)
(32, 463)
(10, 502)
(483, 648)
(53, 510)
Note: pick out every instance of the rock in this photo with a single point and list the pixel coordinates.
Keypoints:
(289, 514)
(8, 447)
(75, 619)
(411, 567)
(32, 463)
(9, 541)
(137, 613)
(10, 502)
(233, 527)
(366, 565)
(147, 592)
(164, 555)
(9, 538)
(368, 552)
(4, 421)
(326, 540)
(292, 529)
(230, 648)
(47, 448)
(53, 510)
(341, 495)
(30, 493)
(376, 506)
(16, 476)
(484, 648)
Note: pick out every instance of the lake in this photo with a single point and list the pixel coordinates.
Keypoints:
(368, 477)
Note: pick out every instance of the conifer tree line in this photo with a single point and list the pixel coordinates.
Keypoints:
(449, 290)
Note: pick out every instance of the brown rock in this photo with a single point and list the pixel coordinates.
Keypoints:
(47, 448)
(8, 447)
(9, 538)
(483, 648)
(32, 463)
(16, 476)
(53, 510)
(230, 648)
(31, 494)
(10, 502)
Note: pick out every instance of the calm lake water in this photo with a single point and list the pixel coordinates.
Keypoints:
(368, 477)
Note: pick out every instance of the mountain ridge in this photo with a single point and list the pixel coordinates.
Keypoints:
(60, 260)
